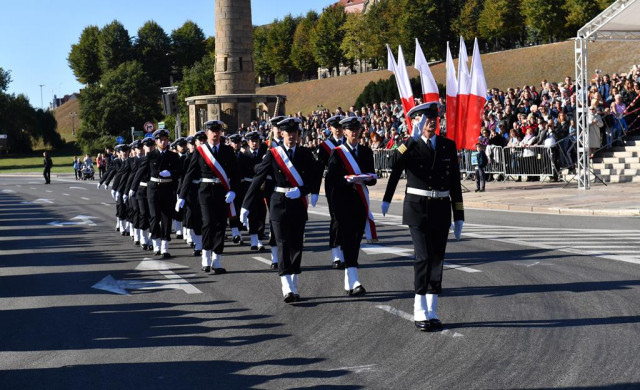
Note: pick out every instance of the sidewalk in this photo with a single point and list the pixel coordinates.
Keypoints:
(613, 200)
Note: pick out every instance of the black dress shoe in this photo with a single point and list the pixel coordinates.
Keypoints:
(237, 240)
(197, 253)
(206, 269)
(290, 298)
(166, 255)
(150, 247)
(254, 247)
(358, 291)
(145, 247)
(297, 297)
(117, 229)
(124, 233)
(193, 244)
(274, 266)
(423, 326)
(435, 325)
(219, 271)
(337, 264)
(136, 243)
(157, 253)
(178, 236)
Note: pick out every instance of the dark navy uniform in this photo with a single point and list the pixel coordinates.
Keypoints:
(248, 160)
(433, 192)
(287, 215)
(269, 185)
(192, 211)
(323, 153)
(138, 191)
(350, 211)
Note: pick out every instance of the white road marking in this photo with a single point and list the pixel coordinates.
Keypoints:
(77, 188)
(84, 198)
(65, 194)
(106, 204)
(262, 260)
(8, 191)
(371, 249)
(38, 201)
(77, 220)
(409, 317)
(356, 369)
(49, 191)
(33, 188)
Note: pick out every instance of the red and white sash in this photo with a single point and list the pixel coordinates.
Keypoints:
(328, 146)
(352, 167)
(217, 169)
(283, 161)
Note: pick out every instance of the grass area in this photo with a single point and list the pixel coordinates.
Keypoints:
(65, 124)
(33, 163)
(511, 68)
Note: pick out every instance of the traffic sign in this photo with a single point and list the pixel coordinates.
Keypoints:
(119, 140)
(149, 127)
(161, 125)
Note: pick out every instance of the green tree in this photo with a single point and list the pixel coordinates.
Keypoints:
(419, 19)
(547, 18)
(210, 46)
(115, 46)
(301, 52)
(5, 79)
(84, 58)
(153, 48)
(353, 44)
(500, 22)
(381, 27)
(327, 37)
(189, 46)
(579, 12)
(125, 97)
(279, 43)
(264, 73)
(466, 24)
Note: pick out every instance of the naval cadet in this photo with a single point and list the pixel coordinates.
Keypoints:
(119, 183)
(215, 163)
(164, 169)
(138, 192)
(335, 139)
(132, 204)
(275, 140)
(192, 211)
(433, 193)
(248, 160)
(235, 141)
(293, 169)
(350, 171)
(113, 167)
(180, 147)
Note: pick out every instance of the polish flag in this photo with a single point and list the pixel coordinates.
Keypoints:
(399, 69)
(477, 99)
(430, 91)
(464, 88)
(452, 97)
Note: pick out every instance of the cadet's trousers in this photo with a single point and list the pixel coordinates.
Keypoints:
(192, 211)
(161, 198)
(289, 235)
(350, 229)
(143, 208)
(214, 216)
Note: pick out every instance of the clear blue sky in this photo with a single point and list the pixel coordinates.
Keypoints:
(36, 35)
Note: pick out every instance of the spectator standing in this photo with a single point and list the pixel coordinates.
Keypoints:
(76, 167)
(48, 163)
(481, 163)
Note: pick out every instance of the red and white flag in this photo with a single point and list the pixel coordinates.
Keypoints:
(477, 99)
(464, 88)
(452, 98)
(430, 91)
(399, 69)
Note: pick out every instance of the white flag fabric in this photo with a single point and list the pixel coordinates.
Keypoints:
(477, 99)
(464, 88)
(452, 97)
(430, 91)
(399, 69)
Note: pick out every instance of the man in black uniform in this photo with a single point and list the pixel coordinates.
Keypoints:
(350, 171)
(138, 193)
(117, 190)
(112, 168)
(433, 192)
(192, 211)
(323, 153)
(236, 227)
(48, 163)
(164, 169)
(288, 210)
(133, 211)
(247, 161)
(216, 164)
(275, 140)
(180, 147)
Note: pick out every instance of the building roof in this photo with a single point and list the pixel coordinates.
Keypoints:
(352, 5)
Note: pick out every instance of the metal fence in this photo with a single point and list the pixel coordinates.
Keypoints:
(509, 162)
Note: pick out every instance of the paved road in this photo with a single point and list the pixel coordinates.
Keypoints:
(531, 302)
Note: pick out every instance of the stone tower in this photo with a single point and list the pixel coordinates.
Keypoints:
(234, 55)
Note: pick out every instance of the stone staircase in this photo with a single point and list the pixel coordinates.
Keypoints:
(619, 164)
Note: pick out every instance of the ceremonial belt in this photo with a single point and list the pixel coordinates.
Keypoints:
(143, 183)
(158, 180)
(282, 190)
(283, 161)
(353, 168)
(214, 180)
(428, 194)
(249, 179)
(196, 181)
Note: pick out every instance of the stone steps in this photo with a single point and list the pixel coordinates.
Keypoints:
(620, 164)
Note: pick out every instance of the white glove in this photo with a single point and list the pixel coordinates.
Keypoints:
(385, 207)
(165, 173)
(457, 229)
(230, 197)
(113, 194)
(293, 193)
(117, 195)
(125, 197)
(244, 217)
(314, 200)
(416, 132)
(132, 193)
(98, 185)
(179, 204)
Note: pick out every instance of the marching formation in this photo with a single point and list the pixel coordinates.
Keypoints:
(200, 185)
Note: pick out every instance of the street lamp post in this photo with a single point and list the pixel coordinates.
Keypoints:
(73, 116)
(41, 104)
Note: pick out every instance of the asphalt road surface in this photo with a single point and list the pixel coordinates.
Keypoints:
(530, 302)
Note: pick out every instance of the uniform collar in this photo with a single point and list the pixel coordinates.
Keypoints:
(433, 140)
